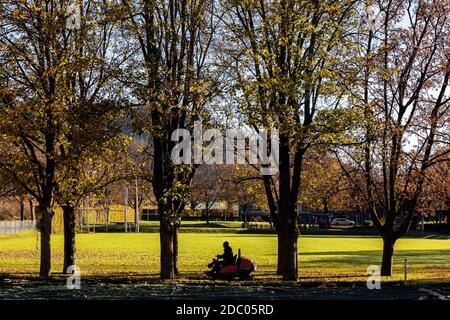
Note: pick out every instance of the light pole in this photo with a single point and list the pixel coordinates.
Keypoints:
(126, 209)
(136, 207)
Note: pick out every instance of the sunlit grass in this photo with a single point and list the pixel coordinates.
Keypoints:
(321, 257)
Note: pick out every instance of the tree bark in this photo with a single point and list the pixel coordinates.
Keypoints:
(22, 210)
(282, 252)
(175, 251)
(388, 256)
(288, 251)
(45, 224)
(166, 235)
(32, 213)
(207, 216)
(291, 271)
(69, 237)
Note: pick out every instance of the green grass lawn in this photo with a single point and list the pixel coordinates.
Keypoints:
(321, 257)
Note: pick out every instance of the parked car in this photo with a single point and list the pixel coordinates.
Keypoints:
(342, 222)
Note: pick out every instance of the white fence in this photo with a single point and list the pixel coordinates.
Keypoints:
(15, 226)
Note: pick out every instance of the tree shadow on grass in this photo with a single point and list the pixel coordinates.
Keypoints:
(418, 257)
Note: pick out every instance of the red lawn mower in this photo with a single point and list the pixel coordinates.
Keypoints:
(242, 269)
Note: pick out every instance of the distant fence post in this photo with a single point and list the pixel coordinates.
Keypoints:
(406, 272)
(126, 210)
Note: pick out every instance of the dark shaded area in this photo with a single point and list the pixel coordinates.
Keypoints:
(151, 289)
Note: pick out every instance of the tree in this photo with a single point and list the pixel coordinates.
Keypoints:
(287, 55)
(172, 81)
(59, 114)
(34, 49)
(92, 146)
(95, 162)
(325, 186)
(403, 92)
(206, 187)
(7, 187)
(242, 184)
(436, 190)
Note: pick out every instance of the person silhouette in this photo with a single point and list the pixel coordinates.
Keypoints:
(227, 257)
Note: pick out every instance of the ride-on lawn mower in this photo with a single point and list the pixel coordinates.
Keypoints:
(241, 268)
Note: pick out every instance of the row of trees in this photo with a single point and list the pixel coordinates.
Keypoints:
(369, 91)
(59, 118)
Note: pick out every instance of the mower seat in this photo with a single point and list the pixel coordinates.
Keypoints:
(232, 262)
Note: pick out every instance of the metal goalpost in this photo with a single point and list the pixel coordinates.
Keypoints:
(89, 214)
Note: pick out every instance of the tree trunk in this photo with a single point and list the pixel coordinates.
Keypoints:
(175, 251)
(69, 237)
(167, 250)
(388, 256)
(291, 266)
(45, 225)
(288, 251)
(282, 253)
(32, 213)
(22, 210)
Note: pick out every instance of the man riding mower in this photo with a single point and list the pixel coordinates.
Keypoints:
(230, 266)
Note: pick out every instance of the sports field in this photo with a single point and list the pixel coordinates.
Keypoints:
(330, 258)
